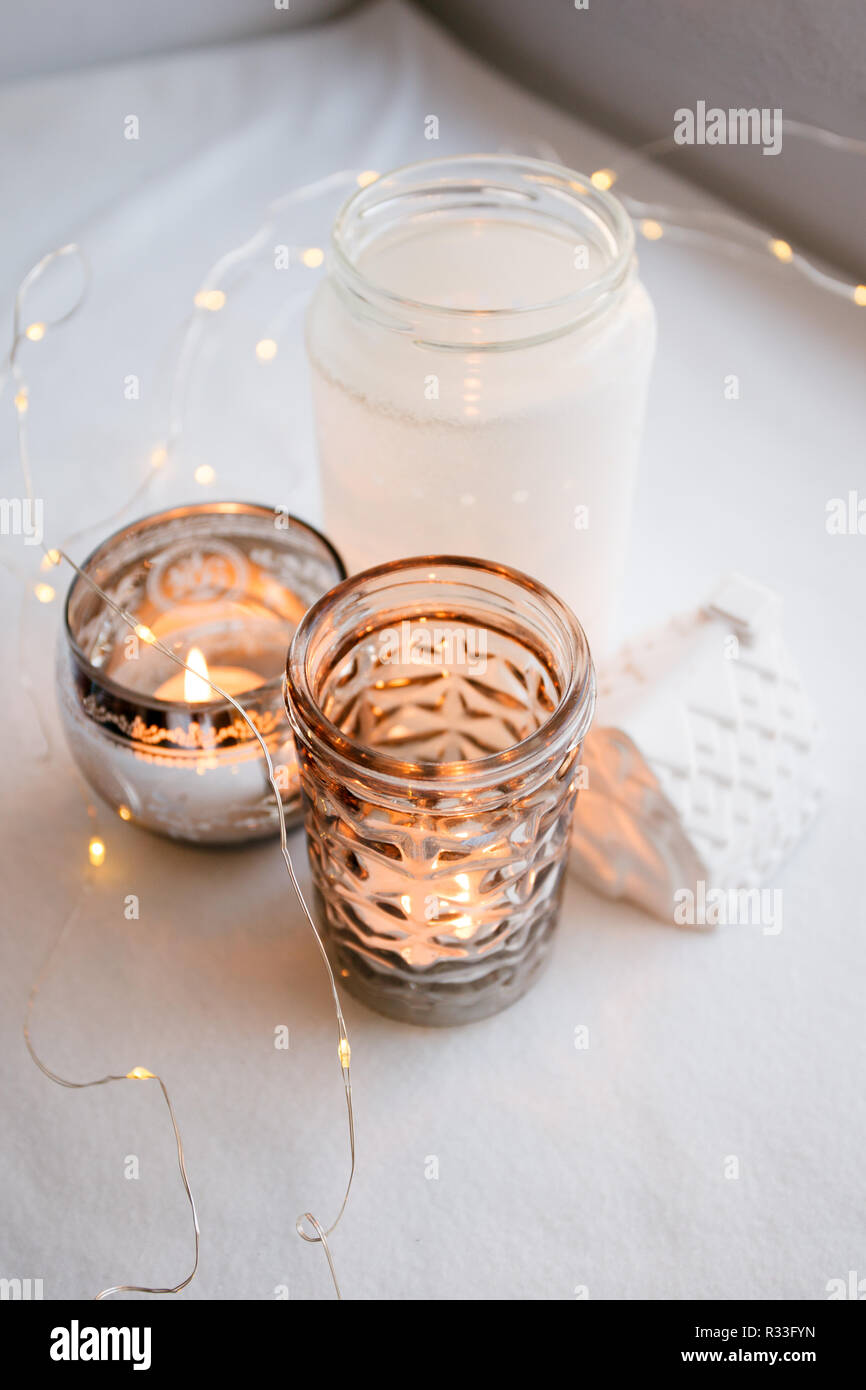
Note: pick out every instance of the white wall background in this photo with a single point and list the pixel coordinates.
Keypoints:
(42, 36)
(623, 65)
(627, 65)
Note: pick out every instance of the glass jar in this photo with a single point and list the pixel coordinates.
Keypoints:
(439, 706)
(480, 352)
(230, 582)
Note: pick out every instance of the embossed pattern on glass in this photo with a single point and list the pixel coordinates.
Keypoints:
(439, 708)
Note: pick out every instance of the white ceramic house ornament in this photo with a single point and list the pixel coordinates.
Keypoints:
(702, 763)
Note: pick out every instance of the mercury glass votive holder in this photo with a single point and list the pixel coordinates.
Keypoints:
(439, 706)
(224, 585)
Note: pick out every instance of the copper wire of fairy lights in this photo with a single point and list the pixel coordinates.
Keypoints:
(137, 1074)
(727, 232)
(313, 1232)
(717, 230)
(320, 1235)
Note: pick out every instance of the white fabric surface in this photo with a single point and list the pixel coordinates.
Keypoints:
(558, 1167)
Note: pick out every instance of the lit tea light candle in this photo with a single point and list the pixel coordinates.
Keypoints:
(222, 586)
(439, 715)
(193, 686)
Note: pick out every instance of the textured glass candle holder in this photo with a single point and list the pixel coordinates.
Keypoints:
(439, 707)
(233, 580)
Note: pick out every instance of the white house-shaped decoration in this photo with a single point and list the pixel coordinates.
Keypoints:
(702, 763)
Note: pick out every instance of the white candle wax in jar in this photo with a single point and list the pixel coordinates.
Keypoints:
(480, 353)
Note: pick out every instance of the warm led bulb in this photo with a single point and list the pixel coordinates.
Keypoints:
(143, 632)
(204, 474)
(651, 229)
(603, 179)
(313, 257)
(44, 593)
(96, 853)
(158, 456)
(124, 813)
(860, 295)
(35, 332)
(345, 1053)
(266, 350)
(781, 250)
(210, 299)
(50, 559)
(140, 1074)
(369, 176)
(22, 401)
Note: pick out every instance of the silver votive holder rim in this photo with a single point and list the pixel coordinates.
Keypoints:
(123, 713)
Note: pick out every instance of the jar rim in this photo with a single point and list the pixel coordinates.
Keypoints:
(458, 170)
(144, 524)
(572, 715)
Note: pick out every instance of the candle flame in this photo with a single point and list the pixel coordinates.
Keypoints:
(195, 682)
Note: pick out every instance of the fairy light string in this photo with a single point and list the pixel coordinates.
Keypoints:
(320, 1234)
(136, 1074)
(53, 556)
(726, 232)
